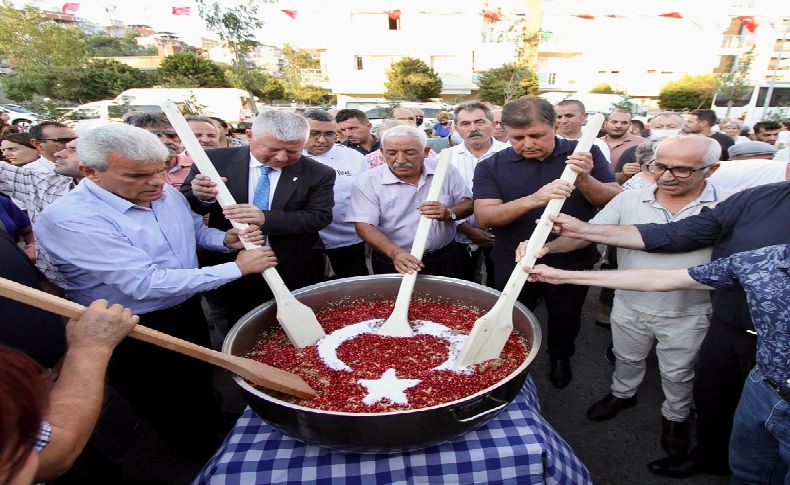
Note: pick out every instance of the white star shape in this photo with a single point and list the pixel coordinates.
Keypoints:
(389, 387)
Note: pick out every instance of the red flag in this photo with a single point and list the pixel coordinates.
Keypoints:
(290, 13)
(70, 7)
(393, 14)
(491, 16)
(181, 10)
(585, 16)
(671, 15)
(748, 22)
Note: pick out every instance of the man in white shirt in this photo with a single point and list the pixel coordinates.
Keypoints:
(49, 137)
(342, 244)
(750, 165)
(571, 116)
(474, 121)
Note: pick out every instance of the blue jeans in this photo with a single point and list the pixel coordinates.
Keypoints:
(760, 442)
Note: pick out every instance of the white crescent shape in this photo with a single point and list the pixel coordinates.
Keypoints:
(327, 346)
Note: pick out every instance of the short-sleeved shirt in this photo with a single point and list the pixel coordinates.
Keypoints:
(348, 164)
(360, 148)
(764, 276)
(641, 206)
(622, 145)
(381, 199)
(741, 223)
(745, 174)
(508, 176)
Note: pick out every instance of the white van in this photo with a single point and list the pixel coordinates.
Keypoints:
(91, 115)
(231, 104)
(751, 107)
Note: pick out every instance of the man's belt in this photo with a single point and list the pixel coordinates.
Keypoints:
(782, 392)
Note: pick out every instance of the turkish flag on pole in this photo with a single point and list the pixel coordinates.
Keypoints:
(491, 16)
(671, 15)
(70, 7)
(290, 13)
(585, 16)
(748, 22)
(393, 14)
(181, 10)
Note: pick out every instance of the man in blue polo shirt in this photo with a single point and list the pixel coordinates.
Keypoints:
(511, 189)
(760, 443)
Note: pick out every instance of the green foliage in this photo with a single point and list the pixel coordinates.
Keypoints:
(105, 79)
(234, 25)
(260, 83)
(510, 81)
(411, 79)
(735, 84)
(297, 59)
(606, 88)
(189, 70)
(104, 45)
(626, 104)
(313, 95)
(48, 108)
(689, 92)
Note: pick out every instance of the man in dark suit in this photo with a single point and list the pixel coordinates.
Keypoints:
(288, 195)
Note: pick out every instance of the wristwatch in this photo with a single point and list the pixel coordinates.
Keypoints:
(451, 215)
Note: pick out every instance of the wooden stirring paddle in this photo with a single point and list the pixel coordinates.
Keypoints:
(491, 331)
(397, 325)
(258, 373)
(297, 319)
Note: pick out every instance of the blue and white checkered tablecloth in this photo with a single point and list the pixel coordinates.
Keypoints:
(516, 447)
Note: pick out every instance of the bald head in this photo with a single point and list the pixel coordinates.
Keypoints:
(702, 149)
(404, 114)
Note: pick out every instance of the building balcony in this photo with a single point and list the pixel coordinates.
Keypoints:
(737, 43)
(315, 77)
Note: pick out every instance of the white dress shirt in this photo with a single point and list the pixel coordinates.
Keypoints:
(255, 174)
(41, 164)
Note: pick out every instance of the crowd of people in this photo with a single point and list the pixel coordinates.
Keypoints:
(121, 214)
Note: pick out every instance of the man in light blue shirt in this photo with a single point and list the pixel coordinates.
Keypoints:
(125, 236)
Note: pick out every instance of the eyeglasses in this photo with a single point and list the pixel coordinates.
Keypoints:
(325, 134)
(168, 134)
(496, 123)
(678, 172)
(60, 140)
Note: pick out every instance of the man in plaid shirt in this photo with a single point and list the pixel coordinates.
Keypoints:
(37, 190)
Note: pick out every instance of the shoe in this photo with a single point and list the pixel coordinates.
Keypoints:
(608, 407)
(560, 373)
(674, 467)
(609, 355)
(674, 437)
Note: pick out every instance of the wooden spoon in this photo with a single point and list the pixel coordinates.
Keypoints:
(256, 372)
(298, 320)
(491, 331)
(397, 325)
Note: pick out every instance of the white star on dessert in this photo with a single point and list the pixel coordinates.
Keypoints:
(388, 387)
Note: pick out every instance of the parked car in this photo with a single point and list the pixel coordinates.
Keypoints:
(21, 118)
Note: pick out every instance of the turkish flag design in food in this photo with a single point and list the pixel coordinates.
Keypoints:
(354, 369)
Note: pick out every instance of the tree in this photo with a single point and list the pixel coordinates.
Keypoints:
(259, 83)
(510, 81)
(411, 79)
(104, 45)
(606, 88)
(236, 26)
(689, 92)
(625, 104)
(189, 70)
(297, 59)
(734, 84)
(105, 79)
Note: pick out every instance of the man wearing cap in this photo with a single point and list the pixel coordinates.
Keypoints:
(750, 165)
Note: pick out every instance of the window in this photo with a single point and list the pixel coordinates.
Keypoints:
(358, 63)
(780, 98)
(651, 71)
(394, 23)
(552, 78)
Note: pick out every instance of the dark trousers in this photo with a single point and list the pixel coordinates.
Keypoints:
(173, 393)
(725, 358)
(348, 261)
(563, 304)
(469, 261)
(442, 262)
(607, 294)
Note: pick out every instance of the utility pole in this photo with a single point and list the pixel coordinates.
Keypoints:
(770, 92)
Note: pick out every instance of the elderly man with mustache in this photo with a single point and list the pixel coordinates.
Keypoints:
(388, 200)
(474, 121)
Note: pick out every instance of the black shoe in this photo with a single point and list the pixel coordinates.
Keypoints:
(560, 373)
(608, 407)
(674, 467)
(609, 355)
(674, 437)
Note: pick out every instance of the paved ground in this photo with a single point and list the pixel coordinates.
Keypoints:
(616, 451)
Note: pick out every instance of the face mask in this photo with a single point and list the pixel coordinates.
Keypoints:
(657, 135)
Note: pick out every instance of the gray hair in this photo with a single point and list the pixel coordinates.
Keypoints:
(387, 124)
(94, 146)
(475, 105)
(317, 114)
(527, 110)
(204, 119)
(151, 120)
(666, 114)
(712, 148)
(645, 152)
(283, 126)
(405, 130)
